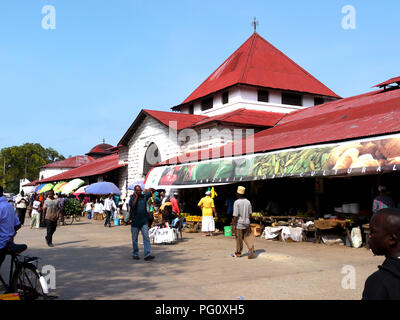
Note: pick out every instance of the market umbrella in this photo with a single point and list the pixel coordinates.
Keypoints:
(59, 186)
(37, 189)
(135, 183)
(103, 188)
(81, 190)
(46, 187)
(72, 186)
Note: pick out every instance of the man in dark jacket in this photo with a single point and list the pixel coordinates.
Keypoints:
(384, 239)
(140, 222)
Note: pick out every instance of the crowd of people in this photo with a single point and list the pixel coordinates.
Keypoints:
(141, 209)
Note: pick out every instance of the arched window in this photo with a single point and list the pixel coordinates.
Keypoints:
(151, 157)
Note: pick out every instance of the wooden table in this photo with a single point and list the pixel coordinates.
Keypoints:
(326, 224)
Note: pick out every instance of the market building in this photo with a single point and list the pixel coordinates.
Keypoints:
(248, 93)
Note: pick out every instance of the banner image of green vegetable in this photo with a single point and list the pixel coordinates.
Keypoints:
(225, 170)
(295, 162)
(204, 171)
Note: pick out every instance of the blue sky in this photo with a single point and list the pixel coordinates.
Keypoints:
(87, 80)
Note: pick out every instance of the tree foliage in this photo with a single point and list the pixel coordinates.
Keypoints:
(19, 162)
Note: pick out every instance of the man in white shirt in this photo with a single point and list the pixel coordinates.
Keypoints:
(21, 202)
(109, 206)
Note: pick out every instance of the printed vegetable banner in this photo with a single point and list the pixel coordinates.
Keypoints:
(354, 157)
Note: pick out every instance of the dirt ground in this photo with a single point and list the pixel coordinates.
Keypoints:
(94, 262)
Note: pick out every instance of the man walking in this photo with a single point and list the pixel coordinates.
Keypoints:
(384, 240)
(109, 206)
(51, 214)
(140, 221)
(21, 203)
(241, 224)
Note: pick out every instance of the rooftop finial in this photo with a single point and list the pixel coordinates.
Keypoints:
(255, 24)
(104, 140)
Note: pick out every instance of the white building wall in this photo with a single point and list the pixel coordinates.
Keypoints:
(246, 97)
(149, 131)
(49, 172)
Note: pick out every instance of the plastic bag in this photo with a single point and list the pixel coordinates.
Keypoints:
(356, 237)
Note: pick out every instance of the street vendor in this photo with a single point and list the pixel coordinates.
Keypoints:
(208, 210)
(383, 200)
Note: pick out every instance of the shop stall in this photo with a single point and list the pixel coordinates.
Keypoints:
(323, 189)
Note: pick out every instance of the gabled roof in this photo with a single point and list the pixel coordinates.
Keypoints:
(241, 117)
(183, 120)
(387, 82)
(253, 118)
(72, 162)
(371, 114)
(258, 63)
(96, 167)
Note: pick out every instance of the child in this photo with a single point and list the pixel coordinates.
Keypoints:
(384, 240)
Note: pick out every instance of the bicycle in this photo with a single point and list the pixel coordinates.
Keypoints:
(24, 277)
(69, 219)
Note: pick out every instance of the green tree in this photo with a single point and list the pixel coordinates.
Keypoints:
(24, 161)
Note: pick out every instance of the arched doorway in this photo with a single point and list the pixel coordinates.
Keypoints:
(151, 157)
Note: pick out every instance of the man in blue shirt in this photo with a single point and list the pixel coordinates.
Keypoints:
(140, 220)
(9, 224)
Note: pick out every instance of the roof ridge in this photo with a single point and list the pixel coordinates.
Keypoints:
(296, 65)
(254, 36)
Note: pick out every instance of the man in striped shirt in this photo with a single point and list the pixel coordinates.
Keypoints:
(382, 201)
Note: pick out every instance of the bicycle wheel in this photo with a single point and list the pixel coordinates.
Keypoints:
(77, 217)
(29, 283)
(68, 219)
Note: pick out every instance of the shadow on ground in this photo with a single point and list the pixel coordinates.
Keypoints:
(96, 272)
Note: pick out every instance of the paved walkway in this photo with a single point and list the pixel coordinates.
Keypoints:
(94, 262)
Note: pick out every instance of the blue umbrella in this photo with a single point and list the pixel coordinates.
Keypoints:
(103, 188)
(37, 189)
(135, 183)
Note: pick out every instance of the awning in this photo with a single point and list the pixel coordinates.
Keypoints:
(355, 157)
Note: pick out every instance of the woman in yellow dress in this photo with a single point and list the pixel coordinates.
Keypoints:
(208, 210)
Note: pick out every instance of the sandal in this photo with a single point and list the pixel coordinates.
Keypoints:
(236, 255)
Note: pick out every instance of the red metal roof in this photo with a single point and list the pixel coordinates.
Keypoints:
(183, 120)
(243, 116)
(101, 148)
(371, 114)
(387, 82)
(72, 162)
(96, 167)
(259, 63)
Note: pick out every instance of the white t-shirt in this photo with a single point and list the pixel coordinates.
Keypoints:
(98, 207)
(35, 206)
(88, 206)
(24, 202)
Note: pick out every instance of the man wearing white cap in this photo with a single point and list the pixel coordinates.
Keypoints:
(208, 209)
(241, 224)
